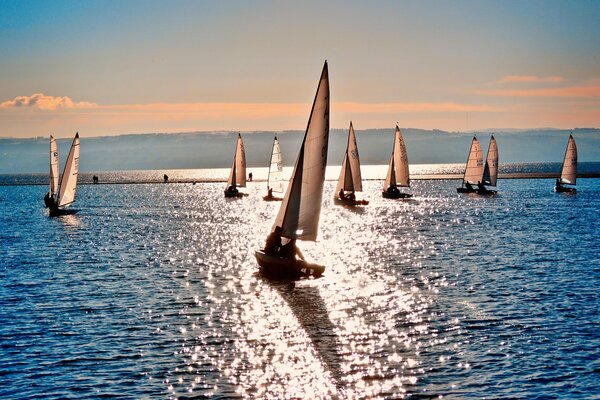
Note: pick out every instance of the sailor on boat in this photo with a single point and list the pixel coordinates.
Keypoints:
(274, 246)
(50, 203)
(393, 189)
(232, 189)
(346, 196)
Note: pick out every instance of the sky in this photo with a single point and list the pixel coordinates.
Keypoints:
(121, 67)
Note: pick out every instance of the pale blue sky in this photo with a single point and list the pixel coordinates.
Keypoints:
(434, 62)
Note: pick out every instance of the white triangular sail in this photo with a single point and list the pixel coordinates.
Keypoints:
(68, 181)
(490, 173)
(53, 167)
(237, 176)
(398, 173)
(275, 177)
(301, 207)
(569, 167)
(474, 169)
(350, 178)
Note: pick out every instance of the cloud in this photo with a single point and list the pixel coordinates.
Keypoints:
(43, 102)
(591, 91)
(531, 79)
(381, 108)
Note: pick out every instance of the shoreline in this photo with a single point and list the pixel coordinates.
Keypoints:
(422, 177)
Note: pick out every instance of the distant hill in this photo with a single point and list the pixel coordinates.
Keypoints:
(215, 149)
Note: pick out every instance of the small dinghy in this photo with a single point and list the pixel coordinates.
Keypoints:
(298, 216)
(398, 174)
(275, 176)
(237, 176)
(568, 175)
(62, 195)
(350, 180)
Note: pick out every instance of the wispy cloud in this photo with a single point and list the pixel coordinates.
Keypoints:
(591, 91)
(386, 108)
(44, 102)
(530, 79)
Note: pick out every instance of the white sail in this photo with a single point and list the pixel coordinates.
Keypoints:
(53, 167)
(68, 181)
(569, 168)
(275, 177)
(490, 173)
(398, 173)
(474, 169)
(350, 178)
(301, 206)
(237, 176)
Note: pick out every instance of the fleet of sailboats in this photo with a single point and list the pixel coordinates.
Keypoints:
(398, 174)
(61, 195)
(568, 175)
(275, 176)
(237, 175)
(350, 180)
(298, 216)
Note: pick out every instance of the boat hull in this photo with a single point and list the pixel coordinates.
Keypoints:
(564, 189)
(387, 195)
(62, 211)
(348, 202)
(272, 198)
(287, 268)
(486, 192)
(465, 190)
(233, 194)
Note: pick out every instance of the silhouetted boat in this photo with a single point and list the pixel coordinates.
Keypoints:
(275, 176)
(350, 179)
(398, 174)
(298, 216)
(62, 195)
(237, 176)
(568, 175)
(473, 170)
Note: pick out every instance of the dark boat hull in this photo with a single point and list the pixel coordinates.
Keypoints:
(399, 195)
(465, 190)
(348, 202)
(233, 194)
(62, 211)
(272, 198)
(564, 189)
(287, 268)
(486, 192)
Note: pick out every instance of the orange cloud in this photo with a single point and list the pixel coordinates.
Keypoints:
(381, 108)
(531, 79)
(591, 91)
(43, 102)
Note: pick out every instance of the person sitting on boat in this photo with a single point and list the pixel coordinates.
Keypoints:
(270, 193)
(232, 189)
(341, 194)
(351, 196)
(50, 203)
(481, 187)
(290, 250)
(469, 186)
(273, 244)
(559, 184)
(393, 189)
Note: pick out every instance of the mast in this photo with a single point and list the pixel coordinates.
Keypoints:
(300, 209)
(68, 181)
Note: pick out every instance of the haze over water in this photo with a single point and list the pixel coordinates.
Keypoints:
(153, 291)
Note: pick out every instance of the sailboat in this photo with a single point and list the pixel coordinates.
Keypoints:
(62, 194)
(490, 171)
(568, 176)
(398, 174)
(474, 169)
(275, 176)
(298, 216)
(350, 179)
(237, 176)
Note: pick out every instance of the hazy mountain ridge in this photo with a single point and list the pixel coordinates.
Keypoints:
(215, 149)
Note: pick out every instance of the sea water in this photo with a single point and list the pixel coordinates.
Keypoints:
(152, 291)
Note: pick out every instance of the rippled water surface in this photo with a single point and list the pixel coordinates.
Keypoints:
(152, 291)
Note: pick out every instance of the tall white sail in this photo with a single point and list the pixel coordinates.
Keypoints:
(350, 178)
(275, 178)
(398, 173)
(301, 206)
(237, 176)
(68, 181)
(53, 167)
(569, 168)
(490, 173)
(474, 170)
